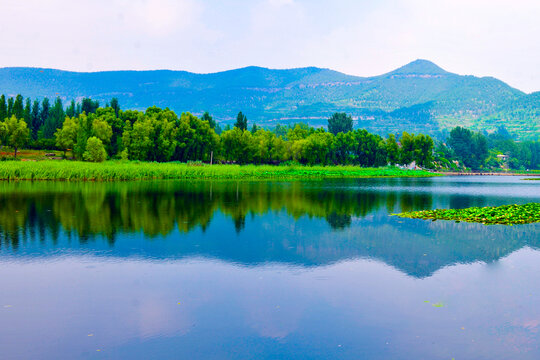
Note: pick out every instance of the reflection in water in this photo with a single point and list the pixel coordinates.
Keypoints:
(287, 221)
(274, 270)
(158, 208)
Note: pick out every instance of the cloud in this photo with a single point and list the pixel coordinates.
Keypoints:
(163, 17)
(360, 37)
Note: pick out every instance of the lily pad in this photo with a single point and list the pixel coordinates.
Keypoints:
(490, 215)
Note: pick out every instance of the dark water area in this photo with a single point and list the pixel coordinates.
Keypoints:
(266, 270)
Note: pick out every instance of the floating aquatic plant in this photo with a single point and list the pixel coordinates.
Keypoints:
(504, 215)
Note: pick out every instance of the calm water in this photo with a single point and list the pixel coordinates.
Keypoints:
(279, 270)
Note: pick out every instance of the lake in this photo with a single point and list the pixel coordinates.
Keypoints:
(266, 270)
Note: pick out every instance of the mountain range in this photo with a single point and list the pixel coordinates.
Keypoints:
(418, 97)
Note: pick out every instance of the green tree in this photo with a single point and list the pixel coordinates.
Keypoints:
(89, 106)
(205, 137)
(238, 145)
(266, 144)
(137, 139)
(470, 148)
(35, 124)
(95, 150)
(318, 148)
(117, 126)
(116, 106)
(344, 147)
(480, 149)
(54, 120)
(392, 149)
(163, 123)
(241, 121)
(85, 129)
(17, 133)
(18, 107)
(43, 116)
(3, 108)
(369, 149)
(423, 150)
(10, 102)
(207, 117)
(27, 115)
(196, 140)
(3, 134)
(67, 135)
(102, 130)
(71, 109)
(281, 130)
(299, 131)
(407, 148)
(218, 130)
(340, 122)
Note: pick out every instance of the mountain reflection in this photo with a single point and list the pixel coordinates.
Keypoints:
(354, 211)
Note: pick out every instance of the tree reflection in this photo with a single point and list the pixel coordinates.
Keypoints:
(89, 209)
(85, 212)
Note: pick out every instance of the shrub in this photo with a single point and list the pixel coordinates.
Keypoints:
(95, 151)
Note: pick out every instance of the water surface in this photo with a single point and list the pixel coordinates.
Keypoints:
(304, 269)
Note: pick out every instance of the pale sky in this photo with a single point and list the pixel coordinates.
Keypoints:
(497, 38)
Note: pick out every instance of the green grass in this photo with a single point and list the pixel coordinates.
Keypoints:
(117, 170)
(504, 215)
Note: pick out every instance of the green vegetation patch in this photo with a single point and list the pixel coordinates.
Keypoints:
(123, 171)
(504, 215)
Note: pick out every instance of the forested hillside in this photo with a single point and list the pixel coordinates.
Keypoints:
(520, 116)
(419, 97)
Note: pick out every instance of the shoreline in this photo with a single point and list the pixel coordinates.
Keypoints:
(128, 171)
(113, 170)
(486, 174)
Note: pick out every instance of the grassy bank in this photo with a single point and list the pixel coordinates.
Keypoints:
(504, 215)
(113, 170)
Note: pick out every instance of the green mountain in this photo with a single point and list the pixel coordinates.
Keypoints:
(520, 116)
(418, 97)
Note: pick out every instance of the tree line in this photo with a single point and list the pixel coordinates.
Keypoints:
(195, 208)
(477, 150)
(94, 133)
(90, 132)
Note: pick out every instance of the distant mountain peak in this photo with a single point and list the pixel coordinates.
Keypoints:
(420, 67)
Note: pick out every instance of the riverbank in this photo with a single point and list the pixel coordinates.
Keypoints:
(517, 173)
(124, 171)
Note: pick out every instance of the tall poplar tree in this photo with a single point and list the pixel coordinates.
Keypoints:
(70, 110)
(18, 107)
(44, 114)
(55, 119)
(241, 121)
(89, 106)
(36, 120)
(3, 108)
(28, 113)
(10, 107)
(115, 106)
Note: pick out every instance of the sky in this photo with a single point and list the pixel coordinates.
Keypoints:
(498, 38)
